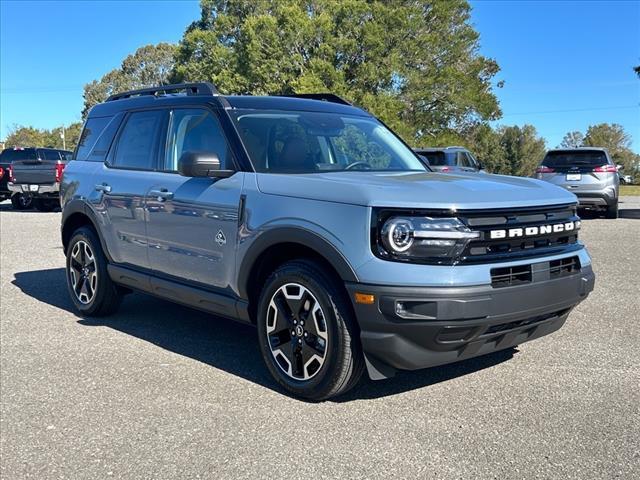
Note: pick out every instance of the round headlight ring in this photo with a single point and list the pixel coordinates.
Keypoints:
(398, 235)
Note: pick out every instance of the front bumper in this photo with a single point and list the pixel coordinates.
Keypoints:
(439, 325)
(42, 189)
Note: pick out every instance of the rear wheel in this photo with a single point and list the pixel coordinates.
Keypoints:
(20, 201)
(45, 204)
(612, 211)
(91, 290)
(307, 334)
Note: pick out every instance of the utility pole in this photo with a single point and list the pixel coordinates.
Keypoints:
(64, 142)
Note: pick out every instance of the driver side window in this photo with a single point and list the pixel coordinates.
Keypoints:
(194, 130)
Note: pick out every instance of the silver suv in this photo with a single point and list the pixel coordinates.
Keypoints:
(450, 159)
(587, 172)
(311, 220)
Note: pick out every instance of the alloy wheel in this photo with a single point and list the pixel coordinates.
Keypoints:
(83, 272)
(297, 331)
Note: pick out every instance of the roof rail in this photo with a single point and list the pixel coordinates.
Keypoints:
(202, 88)
(325, 97)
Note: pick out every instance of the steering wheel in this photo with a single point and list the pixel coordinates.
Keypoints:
(358, 163)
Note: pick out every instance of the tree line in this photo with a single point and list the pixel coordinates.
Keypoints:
(414, 64)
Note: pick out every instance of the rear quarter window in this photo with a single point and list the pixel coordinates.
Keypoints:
(93, 139)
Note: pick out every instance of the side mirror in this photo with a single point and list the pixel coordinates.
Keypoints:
(201, 164)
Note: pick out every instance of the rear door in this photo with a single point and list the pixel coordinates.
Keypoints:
(192, 223)
(127, 176)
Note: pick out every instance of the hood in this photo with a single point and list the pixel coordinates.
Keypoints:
(460, 191)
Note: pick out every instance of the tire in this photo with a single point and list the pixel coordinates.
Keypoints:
(45, 205)
(97, 295)
(321, 359)
(612, 211)
(19, 201)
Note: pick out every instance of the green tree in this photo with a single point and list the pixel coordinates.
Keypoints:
(523, 149)
(149, 66)
(485, 144)
(415, 64)
(572, 140)
(616, 140)
(23, 136)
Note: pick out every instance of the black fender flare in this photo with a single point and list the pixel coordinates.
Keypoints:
(300, 236)
(79, 206)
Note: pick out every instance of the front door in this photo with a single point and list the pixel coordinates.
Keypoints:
(192, 223)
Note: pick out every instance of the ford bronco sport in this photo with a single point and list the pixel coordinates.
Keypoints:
(309, 218)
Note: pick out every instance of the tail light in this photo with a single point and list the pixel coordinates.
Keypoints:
(1, 173)
(606, 168)
(59, 169)
(445, 169)
(10, 170)
(544, 169)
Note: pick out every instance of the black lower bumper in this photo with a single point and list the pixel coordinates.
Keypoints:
(595, 199)
(413, 328)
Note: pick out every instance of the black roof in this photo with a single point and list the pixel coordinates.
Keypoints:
(205, 93)
(438, 149)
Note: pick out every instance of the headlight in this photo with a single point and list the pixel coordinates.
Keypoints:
(423, 239)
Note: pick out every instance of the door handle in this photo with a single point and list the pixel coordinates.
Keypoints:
(103, 187)
(161, 194)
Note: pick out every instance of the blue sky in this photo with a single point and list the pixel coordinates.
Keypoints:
(566, 65)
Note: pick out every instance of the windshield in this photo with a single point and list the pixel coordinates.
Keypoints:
(311, 142)
(586, 158)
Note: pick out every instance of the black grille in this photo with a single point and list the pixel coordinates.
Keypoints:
(523, 323)
(510, 276)
(564, 267)
(486, 249)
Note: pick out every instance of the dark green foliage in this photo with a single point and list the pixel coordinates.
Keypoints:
(415, 64)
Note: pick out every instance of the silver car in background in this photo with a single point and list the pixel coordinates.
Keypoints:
(449, 159)
(588, 172)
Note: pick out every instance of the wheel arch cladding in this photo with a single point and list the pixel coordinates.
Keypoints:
(75, 215)
(275, 247)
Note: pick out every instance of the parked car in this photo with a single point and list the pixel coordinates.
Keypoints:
(5, 193)
(625, 179)
(588, 172)
(18, 200)
(450, 159)
(310, 219)
(34, 176)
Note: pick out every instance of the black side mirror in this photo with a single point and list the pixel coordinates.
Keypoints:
(201, 164)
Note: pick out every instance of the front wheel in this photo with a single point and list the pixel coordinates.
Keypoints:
(308, 336)
(91, 290)
(20, 201)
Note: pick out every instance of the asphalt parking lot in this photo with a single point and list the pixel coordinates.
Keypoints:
(161, 391)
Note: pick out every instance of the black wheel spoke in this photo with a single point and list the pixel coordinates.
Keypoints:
(296, 331)
(83, 273)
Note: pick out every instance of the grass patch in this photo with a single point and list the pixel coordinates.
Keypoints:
(629, 189)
